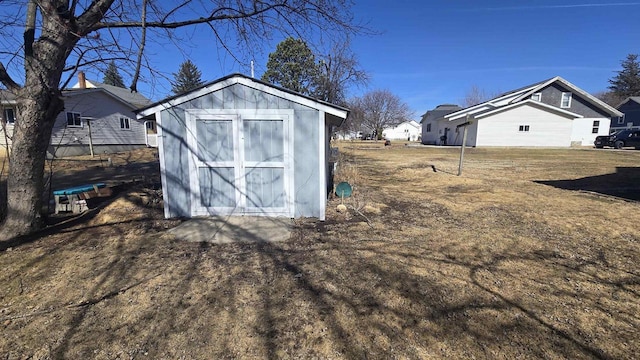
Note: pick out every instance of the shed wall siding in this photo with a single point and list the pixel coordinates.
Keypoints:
(545, 128)
(306, 145)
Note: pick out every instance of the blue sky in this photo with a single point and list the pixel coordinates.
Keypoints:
(433, 52)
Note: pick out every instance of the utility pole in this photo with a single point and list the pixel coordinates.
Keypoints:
(464, 142)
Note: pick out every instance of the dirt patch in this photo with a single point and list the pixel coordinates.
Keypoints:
(422, 264)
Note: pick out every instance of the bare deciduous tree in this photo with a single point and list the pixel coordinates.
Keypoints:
(379, 109)
(475, 96)
(58, 37)
(337, 71)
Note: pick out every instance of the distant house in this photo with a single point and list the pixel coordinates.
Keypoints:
(96, 117)
(407, 131)
(241, 146)
(432, 124)
(631, 115)
(550, 113)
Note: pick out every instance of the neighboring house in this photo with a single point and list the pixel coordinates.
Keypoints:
(347, 135)
(97, 118)
(407, 131)
(432, 124)
(551, 113)
(631, 115)
(8, 119)
(240, 146)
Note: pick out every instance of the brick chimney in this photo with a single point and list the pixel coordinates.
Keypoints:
(82, 80)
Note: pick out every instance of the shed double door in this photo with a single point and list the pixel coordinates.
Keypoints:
(241, 163)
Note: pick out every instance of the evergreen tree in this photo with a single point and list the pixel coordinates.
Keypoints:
(187, 78)
(292, 66)
(112, 76)
(627, 82)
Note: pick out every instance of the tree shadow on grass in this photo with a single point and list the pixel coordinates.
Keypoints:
(624, 183)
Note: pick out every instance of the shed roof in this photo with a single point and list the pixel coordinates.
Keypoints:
(331, 109)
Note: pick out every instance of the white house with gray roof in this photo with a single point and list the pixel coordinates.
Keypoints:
(550, 113)
(433, 126)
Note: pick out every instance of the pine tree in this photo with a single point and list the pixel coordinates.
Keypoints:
(187, 78)
(292, 66)
(627, 82)
(112, 76)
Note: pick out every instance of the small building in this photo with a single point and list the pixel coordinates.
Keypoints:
(406, 131)
(631, 115)
(432, 124)
(550, 113)
(240, 146)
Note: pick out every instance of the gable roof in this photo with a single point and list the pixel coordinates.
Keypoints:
(335, 110)
(78, 91)
(635, 99)
(439, 112)
(524, 93)
(136, 99)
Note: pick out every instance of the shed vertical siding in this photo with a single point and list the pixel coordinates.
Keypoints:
(545, 128)
(306, 166)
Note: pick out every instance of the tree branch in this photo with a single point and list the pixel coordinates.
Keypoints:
(143, 40)
(178, 24)
(6, 79)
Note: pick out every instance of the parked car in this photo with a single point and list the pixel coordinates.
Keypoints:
(619, 139)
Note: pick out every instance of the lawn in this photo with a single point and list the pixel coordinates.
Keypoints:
(528, 254)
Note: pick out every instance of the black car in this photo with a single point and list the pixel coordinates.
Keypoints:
(619, 139)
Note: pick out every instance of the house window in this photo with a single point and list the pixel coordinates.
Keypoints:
(151, 125)
(565, 102)
(621, 120)
(124, 123)
(73, 119)
(523, 128)
(595, 127)
(9, 116)
(536, 97)
(429, 127)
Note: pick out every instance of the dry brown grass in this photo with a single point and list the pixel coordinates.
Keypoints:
(502, 262)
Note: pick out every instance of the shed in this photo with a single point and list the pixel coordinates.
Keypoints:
(240, 146)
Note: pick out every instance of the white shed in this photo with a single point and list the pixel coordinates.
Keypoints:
(240, 146)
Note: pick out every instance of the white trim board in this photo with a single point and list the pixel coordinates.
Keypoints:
(342, 113)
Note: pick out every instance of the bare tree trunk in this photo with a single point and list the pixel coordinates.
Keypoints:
(26, 172)
(39, 103)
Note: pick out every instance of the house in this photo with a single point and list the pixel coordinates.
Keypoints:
(432, 124)
(241, 146)
(631, 115)
(8, 113)
(551, 113)
(406, 131)
(97, 119)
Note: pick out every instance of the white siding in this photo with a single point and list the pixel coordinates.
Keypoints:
(407, 131)
(545, 128)
(582, 133)
(432, 136)
(454, 136)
